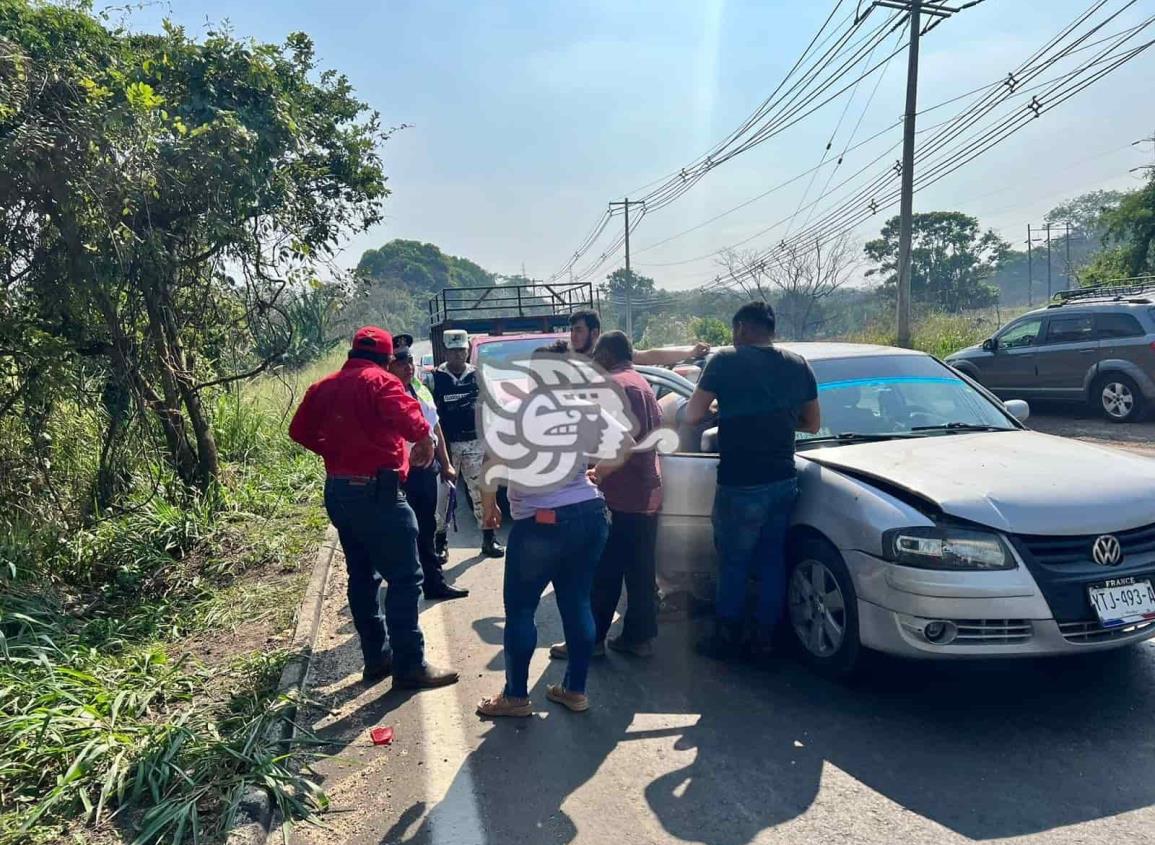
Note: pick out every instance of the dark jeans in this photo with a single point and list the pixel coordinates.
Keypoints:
(421, 490)
(379, 537)
(564, 554)
(629, 555)
(750, 526)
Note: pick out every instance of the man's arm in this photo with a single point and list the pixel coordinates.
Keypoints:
(491, 513)
(399, 411)
(448, 473)
(305, 424)
(699, 407)
(669, 357)
(810, 420)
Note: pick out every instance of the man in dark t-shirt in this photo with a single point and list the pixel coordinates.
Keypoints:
(763, 396)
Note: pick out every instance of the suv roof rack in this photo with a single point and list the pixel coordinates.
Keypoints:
(1142, 292)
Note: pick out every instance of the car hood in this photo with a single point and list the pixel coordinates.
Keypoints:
(1020, 482)
(969, 352)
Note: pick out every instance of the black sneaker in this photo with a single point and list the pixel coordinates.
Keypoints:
(441, 546)
(427, 677)
(377, 672)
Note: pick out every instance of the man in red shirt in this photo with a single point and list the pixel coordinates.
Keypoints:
(359, 420)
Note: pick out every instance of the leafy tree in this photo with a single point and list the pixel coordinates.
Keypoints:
(950, 262)
(1107, 267)
(1131, 226)
(1086, 213)
(620, 281)
(419, 268)
(665, 330)
(712, 330)
(161, 196)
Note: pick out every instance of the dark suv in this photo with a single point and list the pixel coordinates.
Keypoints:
(1095, 345)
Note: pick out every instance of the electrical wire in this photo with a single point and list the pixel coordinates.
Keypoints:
(968, 118)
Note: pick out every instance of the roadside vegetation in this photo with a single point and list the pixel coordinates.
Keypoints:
(168, 207)
(141, 651)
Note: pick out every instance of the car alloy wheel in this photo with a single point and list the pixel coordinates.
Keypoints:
(817, 608)
(1118, 400)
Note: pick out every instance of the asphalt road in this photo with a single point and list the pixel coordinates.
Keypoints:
(680, 749)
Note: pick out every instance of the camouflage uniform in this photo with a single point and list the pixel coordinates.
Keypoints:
(466, 457)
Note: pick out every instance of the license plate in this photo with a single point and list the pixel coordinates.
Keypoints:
(1123, 601)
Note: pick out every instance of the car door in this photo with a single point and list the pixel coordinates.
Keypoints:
(1010, 370)
(1069, 350)
(685, 545)
(1122, 338)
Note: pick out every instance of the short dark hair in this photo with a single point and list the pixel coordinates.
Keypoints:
(369, 355)
(616, 346)
(590, 318)
(758, 314)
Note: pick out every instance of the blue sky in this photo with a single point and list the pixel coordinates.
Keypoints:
(528, 116)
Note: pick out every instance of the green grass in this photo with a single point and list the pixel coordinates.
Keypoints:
(109, 722)
(939, 333)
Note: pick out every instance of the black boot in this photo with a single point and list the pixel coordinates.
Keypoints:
(489, 545)
(725, 643)
(441, 546)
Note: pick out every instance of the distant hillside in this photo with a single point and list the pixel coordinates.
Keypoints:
(419, 268)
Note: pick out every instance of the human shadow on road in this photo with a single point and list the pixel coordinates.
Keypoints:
(988, 750)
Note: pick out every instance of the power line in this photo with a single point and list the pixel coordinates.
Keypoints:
(678, 183)
(1038, 106)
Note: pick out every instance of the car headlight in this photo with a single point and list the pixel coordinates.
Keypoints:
(947, 547)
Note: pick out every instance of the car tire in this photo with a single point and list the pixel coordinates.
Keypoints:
(810, 561)
(1117, 397)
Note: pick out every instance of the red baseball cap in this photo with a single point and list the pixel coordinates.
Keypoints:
(373, 339)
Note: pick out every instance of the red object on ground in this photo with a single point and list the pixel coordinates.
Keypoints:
(381, 736)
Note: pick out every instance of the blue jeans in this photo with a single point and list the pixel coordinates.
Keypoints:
(750, 525)
(378, 534)
(565, 554)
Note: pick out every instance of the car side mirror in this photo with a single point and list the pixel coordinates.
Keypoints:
(991, 344)
(710, 440)
(1018, 409)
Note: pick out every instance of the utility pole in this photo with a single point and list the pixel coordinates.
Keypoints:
(906, 221)
(1068, 255)
(916, 8)
(1049, 293)
(625, 206)
(1030, 268)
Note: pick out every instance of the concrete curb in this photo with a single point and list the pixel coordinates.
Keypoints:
(254, 816)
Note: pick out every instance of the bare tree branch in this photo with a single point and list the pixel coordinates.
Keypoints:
(796, 279)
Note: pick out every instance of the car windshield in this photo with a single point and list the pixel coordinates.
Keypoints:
(500, 354)
(898, 396)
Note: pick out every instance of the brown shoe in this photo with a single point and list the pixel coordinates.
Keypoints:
(501, 705)
(558, 651)
(578, 702)
(428, 677)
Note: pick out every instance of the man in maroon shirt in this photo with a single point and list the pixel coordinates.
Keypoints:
(633, 492)
(359, 420)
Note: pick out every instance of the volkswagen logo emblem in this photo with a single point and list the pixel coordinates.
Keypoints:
(1107, 551)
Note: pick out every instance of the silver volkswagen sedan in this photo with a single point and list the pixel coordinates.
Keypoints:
(931, 522)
